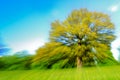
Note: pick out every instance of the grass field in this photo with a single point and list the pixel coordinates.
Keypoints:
(91, 73)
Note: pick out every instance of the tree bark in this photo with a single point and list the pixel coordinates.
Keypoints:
(79, 62)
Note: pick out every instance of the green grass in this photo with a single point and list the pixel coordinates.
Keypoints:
(91, 73)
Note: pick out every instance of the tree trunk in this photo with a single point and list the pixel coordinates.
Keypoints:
(79, 62)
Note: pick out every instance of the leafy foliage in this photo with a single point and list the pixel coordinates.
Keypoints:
(83, 38)
(15, 62)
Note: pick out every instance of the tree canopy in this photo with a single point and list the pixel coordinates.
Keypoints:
(83, 38)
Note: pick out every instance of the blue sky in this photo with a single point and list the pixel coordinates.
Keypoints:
(25, 24)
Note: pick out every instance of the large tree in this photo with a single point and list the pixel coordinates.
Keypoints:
(84, 37)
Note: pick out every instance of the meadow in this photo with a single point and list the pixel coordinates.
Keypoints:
(86, 73)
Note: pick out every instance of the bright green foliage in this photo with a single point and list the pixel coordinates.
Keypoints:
(15, 62)
(51, 54)
(84, 34)
(108, 61)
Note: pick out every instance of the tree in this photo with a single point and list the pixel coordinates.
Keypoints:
(15, 62)
(83, 38)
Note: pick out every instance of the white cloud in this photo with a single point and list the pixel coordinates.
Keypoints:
(29, 34)
(30, 46)
(114, 8)
(115, 45)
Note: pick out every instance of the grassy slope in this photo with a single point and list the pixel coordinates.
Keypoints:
(92, 73)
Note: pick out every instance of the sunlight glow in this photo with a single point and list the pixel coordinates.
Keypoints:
(114, 8)
(30, 46)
